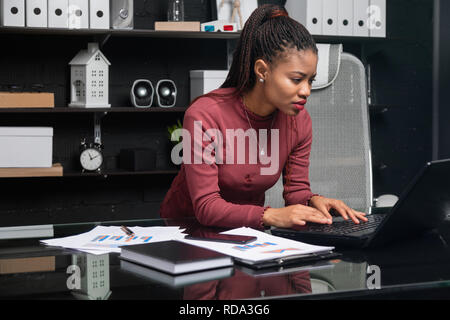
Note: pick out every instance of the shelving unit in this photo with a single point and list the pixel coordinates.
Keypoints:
(400, 137)
(68, 110)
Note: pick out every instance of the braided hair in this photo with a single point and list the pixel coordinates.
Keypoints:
(268, 32)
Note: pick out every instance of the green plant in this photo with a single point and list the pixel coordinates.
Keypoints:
(176, 135)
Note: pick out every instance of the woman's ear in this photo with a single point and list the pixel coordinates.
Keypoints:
(261, 69)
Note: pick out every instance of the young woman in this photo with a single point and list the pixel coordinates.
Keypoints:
(266, 90)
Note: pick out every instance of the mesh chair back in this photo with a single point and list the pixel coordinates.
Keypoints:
(340, 160)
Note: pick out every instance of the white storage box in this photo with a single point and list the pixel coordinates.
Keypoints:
(12, 13)
(26, 147)
(204, 81)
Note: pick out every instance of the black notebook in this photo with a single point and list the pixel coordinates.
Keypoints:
(175, 257)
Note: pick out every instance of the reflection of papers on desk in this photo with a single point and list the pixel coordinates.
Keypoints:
(179, 280)
(102, 239)
(266, 248)
(277, 270)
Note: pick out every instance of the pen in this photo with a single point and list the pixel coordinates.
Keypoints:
(127, 231)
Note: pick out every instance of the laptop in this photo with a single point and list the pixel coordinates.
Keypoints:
(422, 206)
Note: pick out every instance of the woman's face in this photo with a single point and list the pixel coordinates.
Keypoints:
(288, 80)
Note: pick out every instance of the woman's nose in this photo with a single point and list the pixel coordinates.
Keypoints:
(305, 90)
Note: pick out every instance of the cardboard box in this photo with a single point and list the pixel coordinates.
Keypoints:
(27, 100)
(55, 171)
(25, 265)
(177, 25)
(26, 147)
(204, 81)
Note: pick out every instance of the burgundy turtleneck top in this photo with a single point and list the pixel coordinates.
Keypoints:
(224, 193)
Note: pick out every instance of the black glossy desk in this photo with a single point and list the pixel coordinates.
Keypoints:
(418, 268)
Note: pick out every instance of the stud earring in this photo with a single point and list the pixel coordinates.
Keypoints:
(261, 80)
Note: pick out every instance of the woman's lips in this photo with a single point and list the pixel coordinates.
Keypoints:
(300, 105)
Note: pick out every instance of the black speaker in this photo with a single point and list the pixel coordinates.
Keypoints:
(166, 93)
(142, 93)
(138, 159)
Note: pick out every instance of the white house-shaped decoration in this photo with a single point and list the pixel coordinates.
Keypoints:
(89, 79)
(94, 272)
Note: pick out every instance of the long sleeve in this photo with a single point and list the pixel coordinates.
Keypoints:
(297, 187)
(203, 178)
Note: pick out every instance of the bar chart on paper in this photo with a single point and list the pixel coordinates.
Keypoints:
(114, 241)
(104, 239)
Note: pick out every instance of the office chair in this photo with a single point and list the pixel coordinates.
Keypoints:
(340, 160)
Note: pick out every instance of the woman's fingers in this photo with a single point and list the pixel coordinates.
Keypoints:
(342, 212)
(315, 217)
(320, 214)
(360, 215)
(322, 208)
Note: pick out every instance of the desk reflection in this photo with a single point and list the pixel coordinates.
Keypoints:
(242, 286)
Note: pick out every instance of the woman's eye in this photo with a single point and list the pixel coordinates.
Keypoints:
(297, 80)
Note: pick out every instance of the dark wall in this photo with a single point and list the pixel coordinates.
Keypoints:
(401, 86)
(442, 81)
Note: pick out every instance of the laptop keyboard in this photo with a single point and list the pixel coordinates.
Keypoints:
(348, 226)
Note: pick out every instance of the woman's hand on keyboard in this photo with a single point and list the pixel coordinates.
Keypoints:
(324, 205)
(294, 215)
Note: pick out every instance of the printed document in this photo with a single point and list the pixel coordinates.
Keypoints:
(265, 247)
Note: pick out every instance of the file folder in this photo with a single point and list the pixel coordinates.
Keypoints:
(361, 17)
(329, 17)
(12, 13)
(78, 14)
(99, 14)
(36, 13)
(345, 18)
(58, 14)
(377, 18)
(308, 13)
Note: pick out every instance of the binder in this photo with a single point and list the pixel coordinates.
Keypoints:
(12, 13)
(361, 17)
(99, 14)
(308, 13)
(78, 14)
(330, 17)
(58, 13)
(345, 18)
(377, 18)
(36, 13)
